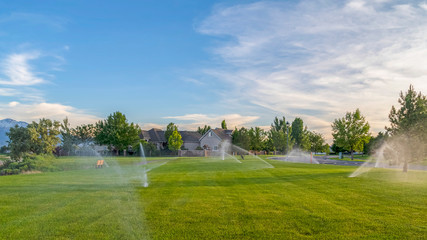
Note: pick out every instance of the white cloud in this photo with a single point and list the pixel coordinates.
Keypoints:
(17, 70)
(147, 126)
(319, 60)
(34, 111)
(13, 104)
(7, 92)
(192, 121)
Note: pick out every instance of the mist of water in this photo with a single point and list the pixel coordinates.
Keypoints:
(241, 150)
(144, 167)
(392, 154)
(226, 146)
(299, 156)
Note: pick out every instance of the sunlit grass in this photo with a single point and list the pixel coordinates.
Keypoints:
(208, 198)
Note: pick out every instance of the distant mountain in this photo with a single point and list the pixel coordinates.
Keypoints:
(5, 125)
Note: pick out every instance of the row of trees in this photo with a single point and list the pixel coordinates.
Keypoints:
(406, 136)
(43, 137)
(351, 133)
(281, 137)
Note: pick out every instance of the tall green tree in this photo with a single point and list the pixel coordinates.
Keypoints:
(223, 124)
(256, 136)
(278, 140)
(115, 131)
(175, 141)
(300, 134)
(85, 134)
(240, 137)
(409, 124)
(19, 142)
(351, 131)
(375, 142)
(68, 138)
(203, 130)
(281, 135)
(38, 138)
(170, 128)
(44, 135)
(317, 142)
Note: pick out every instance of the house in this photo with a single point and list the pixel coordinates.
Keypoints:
(190, 139)
(213, 138)
(157, 137)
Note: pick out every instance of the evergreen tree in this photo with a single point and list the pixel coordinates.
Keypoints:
(256, 136)
(223, 124)
(409, 124)
(68, 138)
(203, 130)
(300, 135)
(241, 138)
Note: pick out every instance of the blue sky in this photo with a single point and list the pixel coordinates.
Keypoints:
(198, 62)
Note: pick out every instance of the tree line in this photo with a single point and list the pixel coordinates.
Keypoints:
(44, 137)
(407, 134)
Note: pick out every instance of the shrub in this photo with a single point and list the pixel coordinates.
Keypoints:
(29, 162)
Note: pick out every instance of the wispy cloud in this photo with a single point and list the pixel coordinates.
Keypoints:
(320, 59)
(54, 22)
(7, 92)
(192, 121)
(18, 71)
(28, 102)
(34, 111)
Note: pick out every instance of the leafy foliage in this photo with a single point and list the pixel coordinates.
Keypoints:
(256, 136)
(375, 142)
(409, 125)
(351, 131)
(117, 132)
(175, 141)
(44, 135)
(170, 128)
(223, 124)
(317, 142)
(85, 134)
(281, 135)
(38, 138)
(68, 138)
(241, 138)
(300, 134)
(29, 162)
(203, 130)
(19, 142)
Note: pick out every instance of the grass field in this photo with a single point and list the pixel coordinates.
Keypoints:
(207, 198)
(347, 159)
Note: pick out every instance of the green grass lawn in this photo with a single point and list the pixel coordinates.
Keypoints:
(347, 159)
(207, 198)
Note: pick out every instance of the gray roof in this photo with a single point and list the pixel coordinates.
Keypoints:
(223, 133)
(190, 136)
(153, 135)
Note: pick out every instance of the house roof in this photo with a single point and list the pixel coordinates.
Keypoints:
(190, 136)
(154, 135)
(223, 134)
